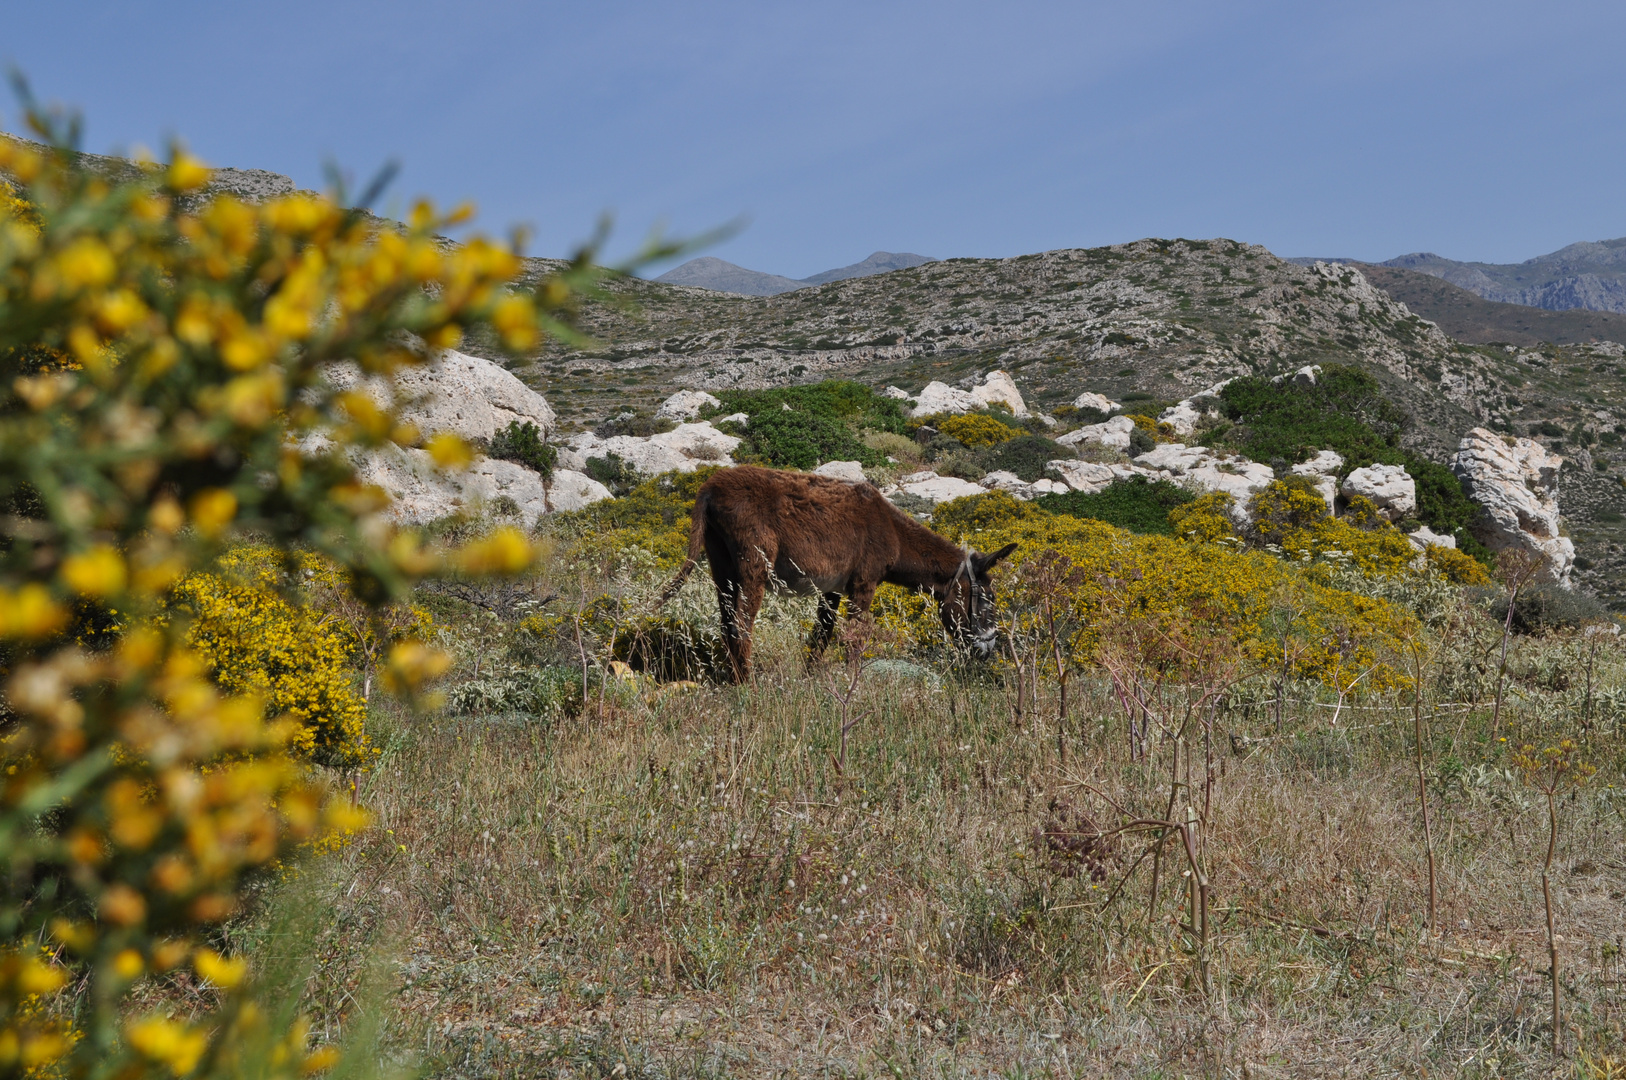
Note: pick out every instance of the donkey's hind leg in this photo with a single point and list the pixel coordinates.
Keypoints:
(753, 586)
(823, 627)
(725, 575)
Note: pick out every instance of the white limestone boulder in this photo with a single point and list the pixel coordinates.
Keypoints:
(1390, 487)
(896, 393)
(1182, 416)
(420, 492)
(1174, 458)
(684, 449)
(453, 392)
(850, 471)
(1325, 463)
(1425, 538)
(686, 405)
(997, 388)
(1516, 481)
(940, 397)
(1098, 402)
(1237, 477)
(1112, 434)
(939, 489)
(1085, 476)
(1304, 376)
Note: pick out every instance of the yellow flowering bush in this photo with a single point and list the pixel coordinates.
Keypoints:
(259, 640)
(1206, 520)
(152, 771)
(1285, 507)
(975, 430)
(1455, 566)
(1170, 586)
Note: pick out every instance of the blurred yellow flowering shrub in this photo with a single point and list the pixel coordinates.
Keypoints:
(162, 359)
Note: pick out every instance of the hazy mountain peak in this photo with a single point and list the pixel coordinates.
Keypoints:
(878, 263)
(708, 272)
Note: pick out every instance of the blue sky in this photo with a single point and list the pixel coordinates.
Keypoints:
(1479, 130)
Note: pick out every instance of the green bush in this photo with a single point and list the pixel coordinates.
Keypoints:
(822, 423)
(1137, 504)
(1027, 456)
(549, 692)
(522, 443)
(1547, 607)
(1345, 411)
(614, 472)
(671, 649)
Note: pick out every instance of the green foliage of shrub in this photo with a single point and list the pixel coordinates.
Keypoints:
(1345, 411)
(1027, 456)
(1137, 504)
(672, 649)
(522, 443)
(614, 472)
(1546, 607)
(548, 692)
(654, 515)
(822, 423)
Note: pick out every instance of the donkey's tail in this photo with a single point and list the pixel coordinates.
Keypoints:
(697, 546)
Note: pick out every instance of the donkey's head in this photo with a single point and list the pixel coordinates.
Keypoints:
(966, 601)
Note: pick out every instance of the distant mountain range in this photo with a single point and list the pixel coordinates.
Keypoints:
(711, 273)
(1590, 275)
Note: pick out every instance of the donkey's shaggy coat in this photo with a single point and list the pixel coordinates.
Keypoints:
(810, 534)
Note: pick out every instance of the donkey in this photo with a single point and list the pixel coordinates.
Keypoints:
(805, 534)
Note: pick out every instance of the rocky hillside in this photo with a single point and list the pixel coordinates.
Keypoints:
(1589, 275)
(1146, 323)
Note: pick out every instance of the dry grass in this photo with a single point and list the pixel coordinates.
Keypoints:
(688, 886)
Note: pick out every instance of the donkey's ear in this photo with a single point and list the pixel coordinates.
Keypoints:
(986, 563)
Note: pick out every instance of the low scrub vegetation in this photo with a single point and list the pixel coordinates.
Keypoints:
(1347, 411)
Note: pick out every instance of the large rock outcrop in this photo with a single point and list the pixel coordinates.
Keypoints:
(1516, 481)
(685, 448)
(1389, 487)
(474, 399)
(997, 388)
(454, 392)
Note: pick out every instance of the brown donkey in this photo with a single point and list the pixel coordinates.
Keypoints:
(810, 534)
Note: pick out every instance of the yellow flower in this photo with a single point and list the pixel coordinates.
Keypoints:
(449, 451)
(187, 173)
(128, 964)
(168, 1043)
(99, 572)
(224, 973)
(212, 510)
(30, 612)
(86, 261)
(505, 551)
(515, 319)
